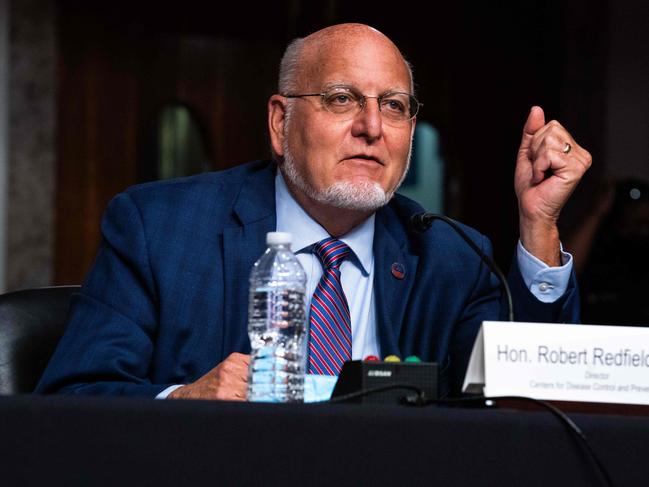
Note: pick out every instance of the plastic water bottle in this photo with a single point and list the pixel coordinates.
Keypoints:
(277, 324)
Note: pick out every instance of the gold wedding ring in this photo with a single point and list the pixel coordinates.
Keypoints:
(567, 148)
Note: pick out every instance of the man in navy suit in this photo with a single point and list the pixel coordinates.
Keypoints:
(163, 312)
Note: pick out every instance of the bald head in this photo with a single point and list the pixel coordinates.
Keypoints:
(305, 57)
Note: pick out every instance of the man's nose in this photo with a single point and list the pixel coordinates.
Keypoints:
(368, 122)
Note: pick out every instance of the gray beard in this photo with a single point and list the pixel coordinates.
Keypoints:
(362, 196)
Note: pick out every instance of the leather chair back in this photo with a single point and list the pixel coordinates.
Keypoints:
(31, 323)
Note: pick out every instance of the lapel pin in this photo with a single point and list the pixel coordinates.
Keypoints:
(398, 271)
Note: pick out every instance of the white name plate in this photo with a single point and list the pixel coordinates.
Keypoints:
(583, 363)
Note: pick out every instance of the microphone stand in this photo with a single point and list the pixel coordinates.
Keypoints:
(423, 221)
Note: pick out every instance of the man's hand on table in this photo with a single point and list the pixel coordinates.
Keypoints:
(228, 381)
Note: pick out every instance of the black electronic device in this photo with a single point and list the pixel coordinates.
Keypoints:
(359, 375)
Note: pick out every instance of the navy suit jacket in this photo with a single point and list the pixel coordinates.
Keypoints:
(167, 297)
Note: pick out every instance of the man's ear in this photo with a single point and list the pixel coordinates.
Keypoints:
(276, 121)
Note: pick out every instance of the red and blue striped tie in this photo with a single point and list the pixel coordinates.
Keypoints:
(330, 341)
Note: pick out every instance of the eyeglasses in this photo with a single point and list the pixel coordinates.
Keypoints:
(345, 101)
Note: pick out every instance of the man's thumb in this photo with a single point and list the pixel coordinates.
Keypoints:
(535, 120)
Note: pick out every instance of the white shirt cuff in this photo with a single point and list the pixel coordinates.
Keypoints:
(167, 391)
(546, 283)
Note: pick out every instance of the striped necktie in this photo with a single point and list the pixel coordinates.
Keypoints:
(330, 339)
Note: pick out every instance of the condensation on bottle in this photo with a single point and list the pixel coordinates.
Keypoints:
(277, 324)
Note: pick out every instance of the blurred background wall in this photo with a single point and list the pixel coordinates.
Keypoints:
(4, 132)
(31, 101)
(89, 90)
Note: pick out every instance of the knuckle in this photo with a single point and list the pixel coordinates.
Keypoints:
(237, 358)
(551, 140)
(240, 357)
(557, 141)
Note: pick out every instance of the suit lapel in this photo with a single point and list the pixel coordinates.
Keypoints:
(243, 244)
(391, 286)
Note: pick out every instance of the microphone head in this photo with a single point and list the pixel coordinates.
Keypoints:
(419, 222)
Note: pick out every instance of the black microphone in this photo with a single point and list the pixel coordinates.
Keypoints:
(422, 222)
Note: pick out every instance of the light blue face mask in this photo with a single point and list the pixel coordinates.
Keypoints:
(318, 387)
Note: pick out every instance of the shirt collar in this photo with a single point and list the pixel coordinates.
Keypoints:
(292, 218)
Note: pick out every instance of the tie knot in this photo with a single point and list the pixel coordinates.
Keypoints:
(331, 252)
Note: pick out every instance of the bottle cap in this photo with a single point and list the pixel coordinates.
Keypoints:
(392, 358)
(371, 358)
(278, 238)
(413, 358)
